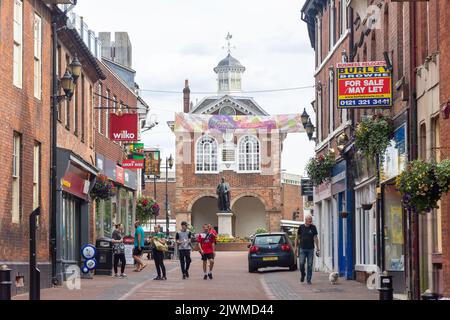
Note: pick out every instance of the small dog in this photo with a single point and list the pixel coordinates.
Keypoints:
(333, 277)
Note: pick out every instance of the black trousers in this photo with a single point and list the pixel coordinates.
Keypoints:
(123, 262)
(185, 260)
(158, 256)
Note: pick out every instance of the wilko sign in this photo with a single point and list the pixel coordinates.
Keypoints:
(123, 128)
(364, 85)
(133, 164)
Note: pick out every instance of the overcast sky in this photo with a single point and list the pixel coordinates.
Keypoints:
(174, 40)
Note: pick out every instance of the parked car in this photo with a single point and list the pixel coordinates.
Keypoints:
(271, 250)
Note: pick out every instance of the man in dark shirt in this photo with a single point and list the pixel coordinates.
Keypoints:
(307, 238)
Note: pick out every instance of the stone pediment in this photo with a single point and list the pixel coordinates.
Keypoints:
(243, 105)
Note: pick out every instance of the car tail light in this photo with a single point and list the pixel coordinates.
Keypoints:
(286, 247)
(254, 249)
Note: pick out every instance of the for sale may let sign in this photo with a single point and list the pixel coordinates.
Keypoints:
(364, 85)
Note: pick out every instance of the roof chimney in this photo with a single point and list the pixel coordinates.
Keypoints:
(186, 97)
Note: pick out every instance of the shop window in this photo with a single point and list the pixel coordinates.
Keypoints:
(393, 230)
(70, 229)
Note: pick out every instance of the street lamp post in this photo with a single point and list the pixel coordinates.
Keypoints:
(169, 164)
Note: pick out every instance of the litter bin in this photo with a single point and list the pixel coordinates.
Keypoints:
(104, 257)
(5, 283)
(386, 289)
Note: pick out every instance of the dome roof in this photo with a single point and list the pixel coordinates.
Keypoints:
(229, 62)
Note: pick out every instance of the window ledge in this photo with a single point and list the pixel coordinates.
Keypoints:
(331, 52)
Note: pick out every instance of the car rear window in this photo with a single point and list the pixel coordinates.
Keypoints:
(270, 240)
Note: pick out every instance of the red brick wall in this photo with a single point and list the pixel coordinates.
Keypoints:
(161, 195)
(292, 201)
(444, 88)
(20, 111)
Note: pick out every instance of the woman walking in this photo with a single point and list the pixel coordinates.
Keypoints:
(158, 244)
(119, 251)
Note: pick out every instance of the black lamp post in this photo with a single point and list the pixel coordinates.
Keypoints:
(305, 118)
(67, 83)
(310, 129)
(169, 164)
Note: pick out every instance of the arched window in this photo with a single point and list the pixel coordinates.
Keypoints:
(249, 157)
(206, 154)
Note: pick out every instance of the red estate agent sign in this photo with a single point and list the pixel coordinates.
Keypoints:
(132, 164)
(364, 85)
(123, 128)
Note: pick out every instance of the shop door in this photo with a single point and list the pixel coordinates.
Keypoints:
(71, 215)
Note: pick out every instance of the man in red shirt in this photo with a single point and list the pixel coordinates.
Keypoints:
(206, 242)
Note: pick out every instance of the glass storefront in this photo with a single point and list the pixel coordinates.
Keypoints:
(393, 230)
(70, 228)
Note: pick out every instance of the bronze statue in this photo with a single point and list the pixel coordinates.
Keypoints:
(223, 191)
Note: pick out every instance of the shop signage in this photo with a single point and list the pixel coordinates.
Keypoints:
(132, 164)
(153, 163)
(76, 182)
(123, 128)
(120, 175)
(396, 156)
(136, 151)
(364, 85)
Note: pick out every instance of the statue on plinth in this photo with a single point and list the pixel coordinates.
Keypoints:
(223, 192)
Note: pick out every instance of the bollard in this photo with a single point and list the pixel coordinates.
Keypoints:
(5, 283)
(386, 290)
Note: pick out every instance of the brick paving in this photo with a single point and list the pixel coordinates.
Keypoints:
(231, 282)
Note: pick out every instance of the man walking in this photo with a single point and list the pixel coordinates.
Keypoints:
(139, 242)
(206, 244)
(183, 239)
(307, 238)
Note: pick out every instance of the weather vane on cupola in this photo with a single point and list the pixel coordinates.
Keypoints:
(229, 47)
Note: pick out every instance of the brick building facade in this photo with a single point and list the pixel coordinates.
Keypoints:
(24, 112)
(410, 35)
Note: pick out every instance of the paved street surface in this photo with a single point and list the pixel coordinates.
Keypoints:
(231, 282)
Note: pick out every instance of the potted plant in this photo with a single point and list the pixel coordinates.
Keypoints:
(373, 135)
(319, 168)
(422, 185)
(146, 208)
(103, 188)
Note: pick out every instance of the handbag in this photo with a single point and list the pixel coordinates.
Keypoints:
(163, 247)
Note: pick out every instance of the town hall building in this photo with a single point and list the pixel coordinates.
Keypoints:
(248, 159)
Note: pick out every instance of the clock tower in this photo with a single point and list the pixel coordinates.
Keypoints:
(229, 73)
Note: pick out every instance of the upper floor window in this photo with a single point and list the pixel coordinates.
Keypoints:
(18, 43)
(331, 100)
(99, 111)
(318, 40)
(249, 154)
(342, 16)
(107, 111)
(37, 56)
(331, 25)
(206, 159)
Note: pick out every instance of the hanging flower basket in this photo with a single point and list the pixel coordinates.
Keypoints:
(319, 168)
(103, 189)
(422, 185)
(373, 135)
(146, 208)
